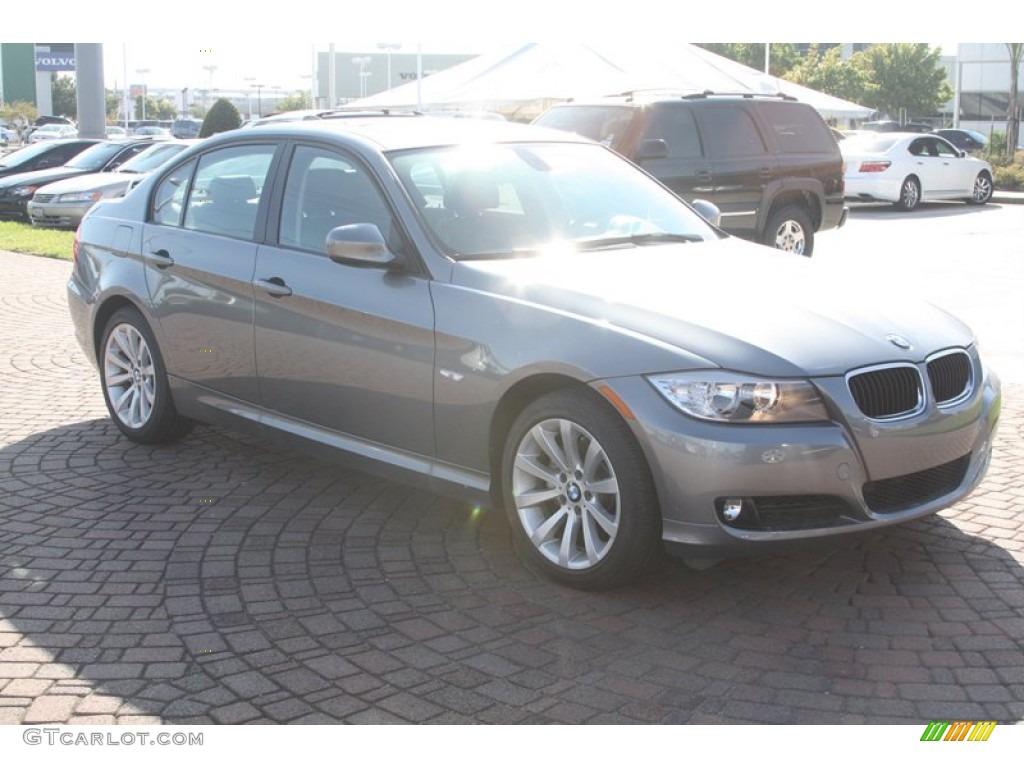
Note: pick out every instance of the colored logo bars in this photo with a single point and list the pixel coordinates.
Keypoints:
(958, 730)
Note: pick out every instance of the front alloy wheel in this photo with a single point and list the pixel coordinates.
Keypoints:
(578, 492)
(982, 191)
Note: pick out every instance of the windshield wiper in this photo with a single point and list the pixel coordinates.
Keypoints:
(645, 238)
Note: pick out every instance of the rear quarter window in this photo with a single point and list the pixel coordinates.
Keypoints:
(797, 128)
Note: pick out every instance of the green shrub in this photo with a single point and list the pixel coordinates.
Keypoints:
(223, 116)
(1009, 177)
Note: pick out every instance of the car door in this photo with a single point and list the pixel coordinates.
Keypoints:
(742, 166)
(345, 349)
(200, 254)
(933, 170)
(958, 172)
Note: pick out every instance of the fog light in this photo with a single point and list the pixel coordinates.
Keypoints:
(732, 509)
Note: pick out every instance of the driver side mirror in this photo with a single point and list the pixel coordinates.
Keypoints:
(652, 149)
(361, 245)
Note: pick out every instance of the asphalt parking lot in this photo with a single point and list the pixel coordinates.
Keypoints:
(224, 580)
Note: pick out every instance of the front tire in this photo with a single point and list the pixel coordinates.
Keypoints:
(578, 492)
(790, 229)
(982, 191)
(134, 381)
(910, 194)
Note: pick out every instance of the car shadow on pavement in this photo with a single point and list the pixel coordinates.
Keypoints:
(224, 580)
(942, 210)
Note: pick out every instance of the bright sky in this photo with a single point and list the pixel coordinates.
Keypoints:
(174, 42)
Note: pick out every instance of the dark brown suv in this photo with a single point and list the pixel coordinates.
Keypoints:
(770, 164)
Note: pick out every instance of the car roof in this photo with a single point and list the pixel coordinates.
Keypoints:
(411, 131)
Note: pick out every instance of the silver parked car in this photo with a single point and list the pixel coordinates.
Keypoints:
(64, 203)
(497, 309)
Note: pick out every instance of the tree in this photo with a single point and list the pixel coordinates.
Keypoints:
(903, 79)
(156, 109)
(783, 56)
(292, 102)
(64, 93)
(223, 116)
(21, 113)
(112, 105)
(830, 73)
(1013, 108)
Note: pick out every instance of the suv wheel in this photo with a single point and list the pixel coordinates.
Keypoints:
(790, 229)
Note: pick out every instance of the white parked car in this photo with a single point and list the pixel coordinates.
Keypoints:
(52, 131)
(910, 168)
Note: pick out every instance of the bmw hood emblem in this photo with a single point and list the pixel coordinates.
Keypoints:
(899, 341)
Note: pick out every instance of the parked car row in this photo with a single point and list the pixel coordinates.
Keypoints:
(54, 183)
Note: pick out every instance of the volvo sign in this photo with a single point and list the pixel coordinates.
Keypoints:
(55, 57)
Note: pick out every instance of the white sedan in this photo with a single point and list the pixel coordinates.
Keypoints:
(910, 168)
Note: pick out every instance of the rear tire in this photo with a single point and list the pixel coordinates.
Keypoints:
(578, 492)
(910, 194)
(134, 381)
(790, 229)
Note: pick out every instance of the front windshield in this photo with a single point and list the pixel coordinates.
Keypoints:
(23, 154)
(94, 158)
(494, 200)
(152, 158)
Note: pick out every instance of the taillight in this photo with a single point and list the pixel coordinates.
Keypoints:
(874, 166)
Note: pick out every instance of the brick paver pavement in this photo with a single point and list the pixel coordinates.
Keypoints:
(223, 580)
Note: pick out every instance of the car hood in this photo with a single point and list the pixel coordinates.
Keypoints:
(41, 177)
(90, 182)
(738, 305)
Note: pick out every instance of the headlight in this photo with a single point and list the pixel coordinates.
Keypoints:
(23, 191)
(80, 197)
(740, 398)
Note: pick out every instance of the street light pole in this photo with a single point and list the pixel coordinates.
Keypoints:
(388, 48)
(142, 74)
(211, 68)
(361, 62)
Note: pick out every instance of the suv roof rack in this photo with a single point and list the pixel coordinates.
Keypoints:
(653, 93)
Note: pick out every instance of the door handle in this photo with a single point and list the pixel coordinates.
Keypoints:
(275, 286)
(765, 173)
(704, 176)
(160, 258)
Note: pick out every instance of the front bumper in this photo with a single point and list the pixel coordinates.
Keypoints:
(806, 481)
(64, 215)
(14, 208)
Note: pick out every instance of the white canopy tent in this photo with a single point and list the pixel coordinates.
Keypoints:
(545, 72)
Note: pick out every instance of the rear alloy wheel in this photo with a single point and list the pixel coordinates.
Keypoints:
(578, 493)
(790, 229)
(135, 383)
(982, 191)
(910, 194)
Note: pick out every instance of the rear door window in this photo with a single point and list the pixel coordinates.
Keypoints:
(731, 132)
(226, 193)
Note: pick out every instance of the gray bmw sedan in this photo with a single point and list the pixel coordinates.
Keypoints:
(501, 311)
